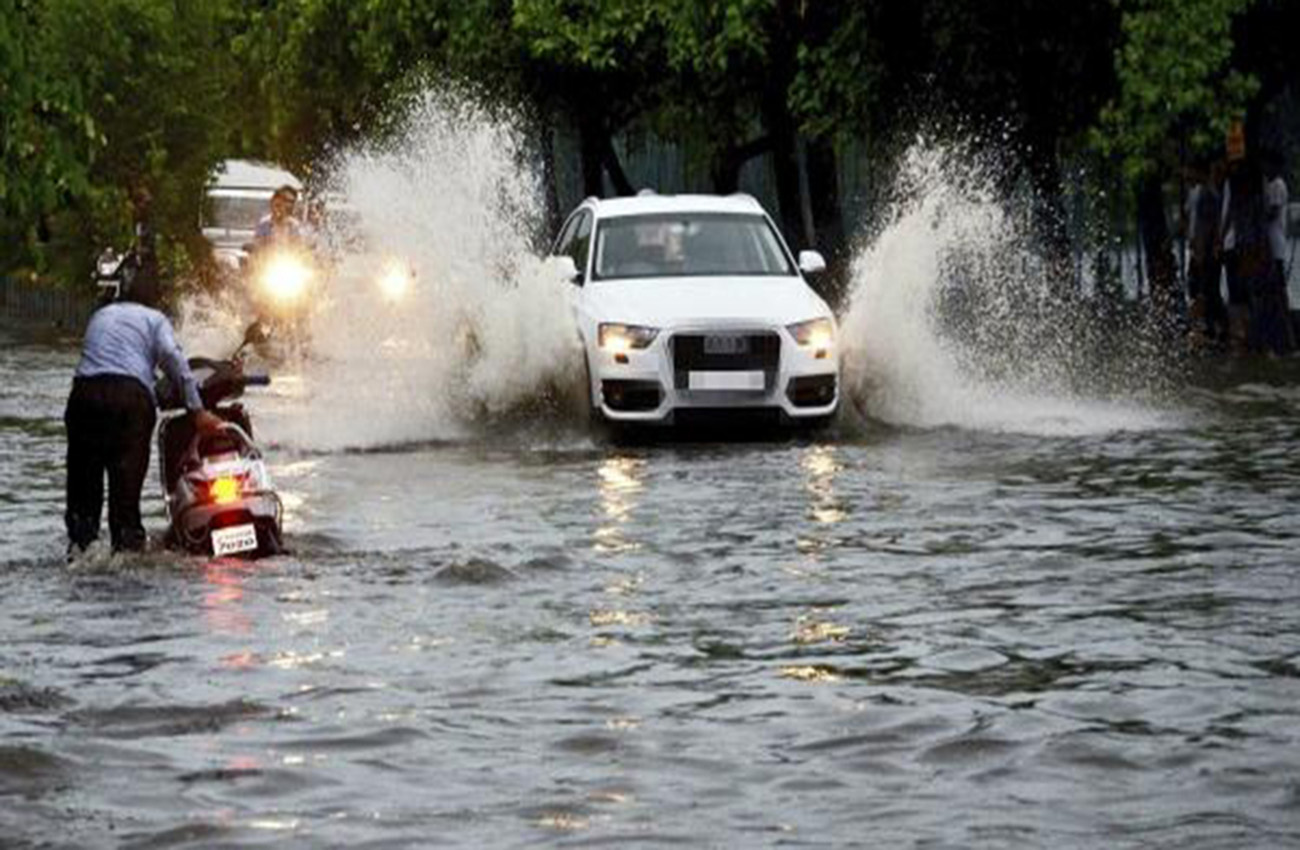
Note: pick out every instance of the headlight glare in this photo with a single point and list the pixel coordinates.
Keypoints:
(620, 338)
(285, 277)
(817, 334)
(396, 280)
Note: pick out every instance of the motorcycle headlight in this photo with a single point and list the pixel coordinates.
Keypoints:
(620, 338)
(285, 277)
(396, 280)
(817, 334)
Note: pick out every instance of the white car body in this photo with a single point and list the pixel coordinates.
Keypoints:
(724, 341)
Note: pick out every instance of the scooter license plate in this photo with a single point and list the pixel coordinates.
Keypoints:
(233, 540)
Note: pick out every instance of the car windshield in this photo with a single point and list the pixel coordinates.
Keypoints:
(230, 212)
(688, 245)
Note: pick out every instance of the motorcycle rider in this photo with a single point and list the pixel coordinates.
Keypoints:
(111, 410)
(281, 223)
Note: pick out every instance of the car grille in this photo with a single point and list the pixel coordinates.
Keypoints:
(761, 352)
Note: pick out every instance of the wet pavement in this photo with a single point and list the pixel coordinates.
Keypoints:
(876, 636)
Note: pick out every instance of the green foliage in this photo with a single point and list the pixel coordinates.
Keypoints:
(102, 101)
(838, 82)
(46, 134)
(100, 98)
(1173, 81)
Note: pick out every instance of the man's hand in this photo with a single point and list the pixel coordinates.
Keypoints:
(207, 422)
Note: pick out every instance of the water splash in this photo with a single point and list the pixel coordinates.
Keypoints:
(953, 318)
(484, 333)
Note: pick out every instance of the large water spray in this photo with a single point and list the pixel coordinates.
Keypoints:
(483, 331)
(953, 317)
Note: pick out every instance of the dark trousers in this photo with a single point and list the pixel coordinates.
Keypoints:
(110, 421)
(1203, 286)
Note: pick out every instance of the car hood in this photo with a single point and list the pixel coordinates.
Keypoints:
(720, 301)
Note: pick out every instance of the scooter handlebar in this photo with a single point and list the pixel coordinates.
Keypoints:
(257, 380)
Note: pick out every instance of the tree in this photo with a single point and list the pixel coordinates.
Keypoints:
(1176, 92)
(596, 62)
(46, 134)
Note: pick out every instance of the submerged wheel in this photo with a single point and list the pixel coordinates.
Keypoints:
(600, 428)
(269, 540)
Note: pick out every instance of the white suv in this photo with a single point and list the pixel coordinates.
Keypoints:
(693, 304)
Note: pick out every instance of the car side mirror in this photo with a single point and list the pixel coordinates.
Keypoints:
(567, 269)
(811, 262)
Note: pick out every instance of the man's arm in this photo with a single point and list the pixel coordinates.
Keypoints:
(168, 354)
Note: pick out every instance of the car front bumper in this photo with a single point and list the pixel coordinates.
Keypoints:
(675, 374)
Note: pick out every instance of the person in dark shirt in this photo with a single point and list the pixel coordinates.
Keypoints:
(1204, 269)
(110, 413)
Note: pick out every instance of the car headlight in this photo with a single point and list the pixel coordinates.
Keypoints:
(817, 334)
(622, 338)
(285, 277)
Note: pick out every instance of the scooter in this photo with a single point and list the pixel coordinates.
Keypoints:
(220, 500)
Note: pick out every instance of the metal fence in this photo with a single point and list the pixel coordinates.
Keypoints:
(43, 304)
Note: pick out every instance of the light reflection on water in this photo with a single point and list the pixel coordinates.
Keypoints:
(621, 481)
(222, 602)
(989, 640)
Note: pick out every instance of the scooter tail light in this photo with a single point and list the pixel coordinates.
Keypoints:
(224, 490)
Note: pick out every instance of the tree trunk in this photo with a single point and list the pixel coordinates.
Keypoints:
(1048, 209)
(728, 160)
(828, 219)
(599, 157)
(725, 171)
(550, 186)
(592, 156)
(785, 168)
(781, 126)
(622, 186)
(824, 189)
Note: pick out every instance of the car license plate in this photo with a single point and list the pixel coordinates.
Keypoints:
(726, 344)
(745, 381)
(233, 540)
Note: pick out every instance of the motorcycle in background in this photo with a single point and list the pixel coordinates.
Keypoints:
(113, 273)
(282, 284)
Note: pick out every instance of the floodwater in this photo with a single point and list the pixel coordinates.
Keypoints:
(880, 636)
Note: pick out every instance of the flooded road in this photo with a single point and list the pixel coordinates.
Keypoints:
(900, 636)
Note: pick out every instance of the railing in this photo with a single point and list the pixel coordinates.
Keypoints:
(42, 303)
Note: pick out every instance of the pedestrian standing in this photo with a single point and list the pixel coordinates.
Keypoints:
(1209, 318)
(110, 413)
(1247, 257)
(1273, 320)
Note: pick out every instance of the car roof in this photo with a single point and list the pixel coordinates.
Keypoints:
(648, 203)
(251, 175)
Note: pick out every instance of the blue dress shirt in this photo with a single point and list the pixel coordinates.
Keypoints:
(133, 340)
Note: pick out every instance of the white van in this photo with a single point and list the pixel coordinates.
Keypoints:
(238, 195)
